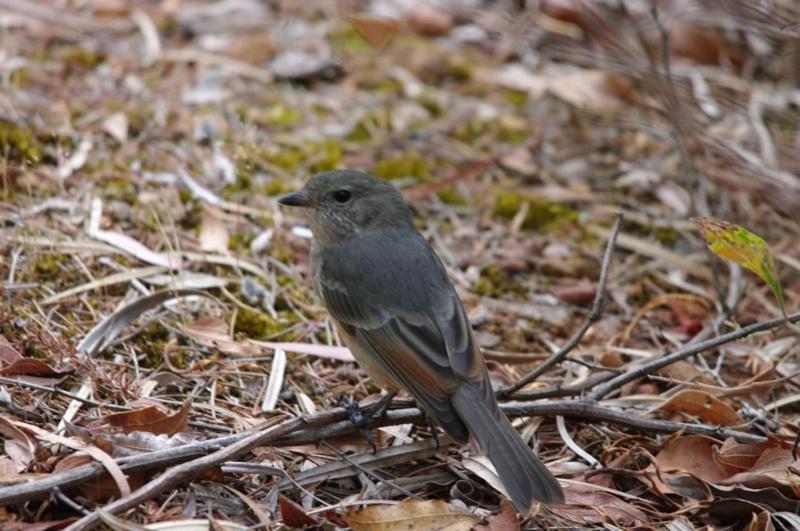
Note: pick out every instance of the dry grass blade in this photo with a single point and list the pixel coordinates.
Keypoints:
(109, 328)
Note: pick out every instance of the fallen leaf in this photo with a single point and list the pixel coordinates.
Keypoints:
(109, 328)
(505, 520)
(376, 31)
(775, 468)
(213, 233)
(593, 90)
(429, 21)
(744, 248)
(19, 446)
(213, 332)
(702, 405)
(150, 419)
(410, 515)
(116, 125)
(293, 514)
(693, 454)
(8, 354)
(594, 506)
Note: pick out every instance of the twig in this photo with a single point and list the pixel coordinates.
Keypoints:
(332, 423)
(180, 473)
(369, 473)
(594, 315)
(662, 361)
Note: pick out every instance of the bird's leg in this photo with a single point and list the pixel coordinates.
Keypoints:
(431, 422)
(359, 420)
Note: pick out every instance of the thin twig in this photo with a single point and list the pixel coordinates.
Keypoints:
(180, 473)
(594, 315)
(333, 423)
(369, 473)
(662, 361)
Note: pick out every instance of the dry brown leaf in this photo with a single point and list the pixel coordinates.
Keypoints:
(592, 507)
(19, 446)
(150, 419)
(293, 514)
(429, 21)
(410, 515)
(693, 454)
(376, 31)
(702, 405)
(8, 354)
(776, 467)
(101, 488)
(505, 520)
(736, 457)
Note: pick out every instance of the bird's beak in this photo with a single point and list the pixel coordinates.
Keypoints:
(301, 199)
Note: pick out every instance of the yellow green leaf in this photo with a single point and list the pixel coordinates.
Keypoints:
(742, 247)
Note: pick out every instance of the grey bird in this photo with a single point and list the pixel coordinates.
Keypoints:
(399, 314)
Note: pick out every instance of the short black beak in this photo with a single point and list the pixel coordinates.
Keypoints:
(300, 199)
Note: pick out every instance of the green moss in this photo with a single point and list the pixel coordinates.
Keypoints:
(667, 235)
(495, 282)
(459, 67)
(517, 98)
(371, 121)
(324, 156)
(48, 265)
(541, 213)
(258, 325)
(79, 58)
(451, 196)
(430, 104)
(239, 242)
(119, 189)
(469, 132)
(409, 164)
(276, 186)
(19, 144)
(282, 115)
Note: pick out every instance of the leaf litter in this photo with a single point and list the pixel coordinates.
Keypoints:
(156, 298)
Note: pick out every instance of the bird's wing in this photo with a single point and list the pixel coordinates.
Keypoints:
(417, 332)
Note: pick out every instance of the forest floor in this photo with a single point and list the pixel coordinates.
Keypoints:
(163, 357)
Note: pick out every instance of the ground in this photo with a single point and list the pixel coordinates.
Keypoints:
(156, 296)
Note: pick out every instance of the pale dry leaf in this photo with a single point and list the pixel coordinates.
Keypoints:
(213, 332)
(109, 328)
(213, 233)
(116, 125)
(411, 515)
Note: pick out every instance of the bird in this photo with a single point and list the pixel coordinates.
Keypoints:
(396, 309)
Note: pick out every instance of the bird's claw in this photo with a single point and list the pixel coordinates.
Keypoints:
(360, 420)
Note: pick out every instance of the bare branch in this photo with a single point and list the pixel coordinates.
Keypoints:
(594, 315)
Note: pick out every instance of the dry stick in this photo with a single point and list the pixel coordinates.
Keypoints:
(594, 315)
(682, 353)
(332, 423)
(180, 473)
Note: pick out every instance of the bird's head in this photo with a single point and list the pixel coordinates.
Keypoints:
(345, 203)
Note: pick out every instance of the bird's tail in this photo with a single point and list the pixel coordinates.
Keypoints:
(525, 478)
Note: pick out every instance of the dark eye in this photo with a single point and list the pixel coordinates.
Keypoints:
(342, 196)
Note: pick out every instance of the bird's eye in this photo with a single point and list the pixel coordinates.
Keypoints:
(342, 196)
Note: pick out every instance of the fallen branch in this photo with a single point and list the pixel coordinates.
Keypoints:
(594, 315)
(322, 426)
(662, 361)
(185, 471)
